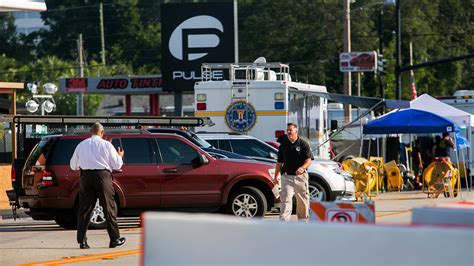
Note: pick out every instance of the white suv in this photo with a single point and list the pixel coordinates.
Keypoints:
(327, 181)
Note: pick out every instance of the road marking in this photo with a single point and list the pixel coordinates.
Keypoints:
(414, 197)
(391, 214)
(84, 258)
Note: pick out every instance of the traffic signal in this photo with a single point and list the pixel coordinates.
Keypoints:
(381, 65)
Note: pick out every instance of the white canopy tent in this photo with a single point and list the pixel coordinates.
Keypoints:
(465, 120)
(22, 5)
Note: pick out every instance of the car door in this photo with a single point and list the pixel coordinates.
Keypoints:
(184, 185)
(139, 178)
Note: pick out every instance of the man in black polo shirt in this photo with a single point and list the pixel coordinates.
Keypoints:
(294, 157)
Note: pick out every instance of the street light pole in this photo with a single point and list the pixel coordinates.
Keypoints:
(347, 49)
(398, 72)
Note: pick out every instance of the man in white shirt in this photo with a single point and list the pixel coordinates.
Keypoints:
(97, 158)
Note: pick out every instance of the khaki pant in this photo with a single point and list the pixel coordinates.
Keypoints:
(290, 185)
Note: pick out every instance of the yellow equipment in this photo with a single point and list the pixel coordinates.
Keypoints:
(441, 176)
(365, 175)
(378, 161)
(394, 177)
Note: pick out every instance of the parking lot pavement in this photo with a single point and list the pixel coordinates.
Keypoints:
(6, 214)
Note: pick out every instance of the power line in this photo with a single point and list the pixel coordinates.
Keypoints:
(56, 69)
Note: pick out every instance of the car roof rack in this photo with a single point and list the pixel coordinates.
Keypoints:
(135, 121)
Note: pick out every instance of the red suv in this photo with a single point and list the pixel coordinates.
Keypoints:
(160, 172)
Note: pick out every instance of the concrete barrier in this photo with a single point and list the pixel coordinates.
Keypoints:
(187, 239)
(5, 184)
(456, 213)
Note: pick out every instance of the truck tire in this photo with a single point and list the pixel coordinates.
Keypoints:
(247, 202)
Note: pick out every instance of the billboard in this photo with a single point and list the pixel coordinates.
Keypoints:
(358, 62)
(112, 85)
(192, 34)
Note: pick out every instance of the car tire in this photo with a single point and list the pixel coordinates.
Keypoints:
(66, 221)
(317, 192)
(98, 216)
(247, 202)
(346, 157)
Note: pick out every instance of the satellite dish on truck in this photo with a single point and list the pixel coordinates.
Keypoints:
(260, 62)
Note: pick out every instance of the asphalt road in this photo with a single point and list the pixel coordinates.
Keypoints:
(28, 242)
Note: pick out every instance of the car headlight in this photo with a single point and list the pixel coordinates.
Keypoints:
(271, 172)
(346, 175)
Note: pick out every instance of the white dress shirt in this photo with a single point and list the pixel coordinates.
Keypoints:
(95, 153)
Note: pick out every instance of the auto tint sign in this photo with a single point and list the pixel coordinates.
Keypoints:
(358, 62)
(192, 34)
(112, 85)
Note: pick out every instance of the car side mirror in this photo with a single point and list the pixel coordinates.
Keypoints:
(272, 155)
(200, 160)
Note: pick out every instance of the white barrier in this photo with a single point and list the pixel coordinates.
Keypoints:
(188, 239)
(459, 213)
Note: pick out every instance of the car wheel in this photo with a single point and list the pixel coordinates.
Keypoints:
(66, 221)
(317, 192)
(247, 202)
(98, 216)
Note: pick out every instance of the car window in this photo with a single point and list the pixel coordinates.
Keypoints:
(39, 153)
(116, 143)
(250, 147)
(174, 151)
(200, 142)
(137, 151)
(214, 143)
(224, 144)
(63, 150)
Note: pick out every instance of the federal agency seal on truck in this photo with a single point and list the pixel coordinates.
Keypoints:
(240, 116)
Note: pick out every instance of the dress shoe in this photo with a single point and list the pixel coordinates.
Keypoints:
(117, 242)
(83, 245)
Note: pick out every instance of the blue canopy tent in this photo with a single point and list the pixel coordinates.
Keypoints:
(413, 121)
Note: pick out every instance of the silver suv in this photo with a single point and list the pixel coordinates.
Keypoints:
(327, 180)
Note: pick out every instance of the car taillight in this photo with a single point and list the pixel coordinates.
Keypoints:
(201, 106)
(48, 180)
(13, 174)
(279, 133)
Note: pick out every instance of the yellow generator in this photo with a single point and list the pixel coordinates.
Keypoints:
(441, 176)
(365, 175)
(394, 176)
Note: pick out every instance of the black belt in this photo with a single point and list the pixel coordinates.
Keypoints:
(94, 170)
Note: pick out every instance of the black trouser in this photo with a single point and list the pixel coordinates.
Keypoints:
(96, 184)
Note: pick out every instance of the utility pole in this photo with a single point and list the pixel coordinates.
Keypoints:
(347, 49)
(102, 38)
(380, 30)
(80, 95)
(398, 72)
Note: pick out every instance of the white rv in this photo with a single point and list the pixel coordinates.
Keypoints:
(259, 99)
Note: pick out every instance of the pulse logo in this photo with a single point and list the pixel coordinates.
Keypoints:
(194, 37)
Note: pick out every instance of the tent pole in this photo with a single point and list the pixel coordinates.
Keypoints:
(457, 161)
(465, 173)
(368, 150)
(469, 156)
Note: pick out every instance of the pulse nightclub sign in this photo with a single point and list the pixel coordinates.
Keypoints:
(192, 34)
(112, 85)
